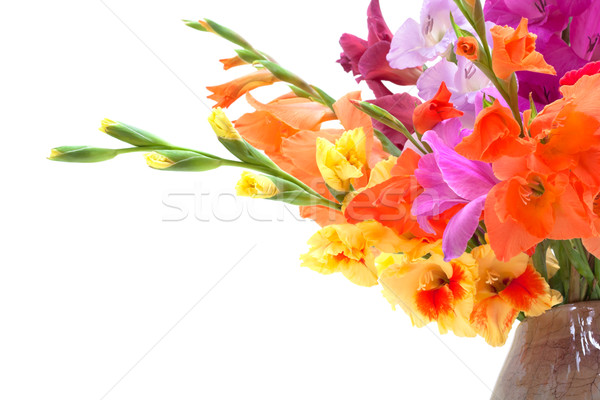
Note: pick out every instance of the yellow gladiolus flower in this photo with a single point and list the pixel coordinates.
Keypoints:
(255, 186)
(343, 161)
(380, 236)
(222, 125)
(342, 248)
(504, 289)
(347, 249)
(431, 289)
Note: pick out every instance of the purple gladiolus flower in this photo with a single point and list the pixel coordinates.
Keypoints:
(448, 180)
(366, 59)
(414, 43)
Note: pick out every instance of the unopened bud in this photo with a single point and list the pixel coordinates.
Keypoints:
(180, 160)
(130, 134)
(222, 125)
(81, 154)
(255, 186)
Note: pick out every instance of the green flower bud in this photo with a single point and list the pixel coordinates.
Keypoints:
(226, 33)
(81, 154)
(180, 160)
(130, 134)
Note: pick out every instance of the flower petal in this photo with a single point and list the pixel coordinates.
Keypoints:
(469, 179)
(408, 48)
(461, 227)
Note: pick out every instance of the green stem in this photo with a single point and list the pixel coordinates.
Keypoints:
(480, 236)
(574, 284)
(154, 148)
(580, 249)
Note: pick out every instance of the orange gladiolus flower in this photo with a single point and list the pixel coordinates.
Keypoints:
(496, 134)
(467, 47)
(294, 111)
(281, 118)
(568, 131)
(263, 130)
(528, 208)
(434, 111)
(514, 50)
(229, 92)
(504, 289)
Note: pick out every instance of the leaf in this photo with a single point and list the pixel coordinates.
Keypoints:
(387, 144)
(578, 261)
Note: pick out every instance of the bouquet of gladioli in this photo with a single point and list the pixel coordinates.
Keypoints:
(473, 205)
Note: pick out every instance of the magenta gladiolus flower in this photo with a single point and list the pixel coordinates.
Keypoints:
(449, 179)
(366, 59)
(585, 33)
(544, 18)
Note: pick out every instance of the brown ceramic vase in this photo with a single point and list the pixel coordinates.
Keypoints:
(554, 356)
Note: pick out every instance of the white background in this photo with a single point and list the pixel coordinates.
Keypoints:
(103, 297)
